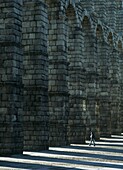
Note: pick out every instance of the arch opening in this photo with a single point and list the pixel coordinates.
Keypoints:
(99, 32)
(110, 38)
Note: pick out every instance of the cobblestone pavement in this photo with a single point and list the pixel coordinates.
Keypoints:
(106, 155)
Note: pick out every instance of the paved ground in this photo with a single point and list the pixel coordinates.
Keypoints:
(106, 155)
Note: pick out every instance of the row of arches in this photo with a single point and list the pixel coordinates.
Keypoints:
(98, 27)
(60, 75)
(92, 67)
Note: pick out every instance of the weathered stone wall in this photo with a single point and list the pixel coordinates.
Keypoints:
(11, 136)
(35, 75)
(71, 62)
(76, 76)
(100, 10)
(115, 90)
(111, 14)
(58, 89)
(104, 83)
(119, 16)
(119, 29)
(121, 90)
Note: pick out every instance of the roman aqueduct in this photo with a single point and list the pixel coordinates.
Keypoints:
(61, 72)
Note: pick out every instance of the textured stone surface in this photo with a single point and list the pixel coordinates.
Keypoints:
(60, 72)
(35, 75)
(11, 137)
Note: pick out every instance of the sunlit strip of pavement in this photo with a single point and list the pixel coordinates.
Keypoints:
(86, 149)
(8, 168)
(73, 157)
(58, 163)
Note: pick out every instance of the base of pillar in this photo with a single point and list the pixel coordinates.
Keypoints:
(105, 135)
(76, 134)
(58, 135)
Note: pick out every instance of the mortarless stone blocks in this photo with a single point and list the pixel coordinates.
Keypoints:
(35, 76)
(66, 79)
(11, 110)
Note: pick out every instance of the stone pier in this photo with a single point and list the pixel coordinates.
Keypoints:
(61, 72)
(35, 76)
(11, 110)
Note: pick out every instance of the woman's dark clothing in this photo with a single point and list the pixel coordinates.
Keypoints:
(92, 139)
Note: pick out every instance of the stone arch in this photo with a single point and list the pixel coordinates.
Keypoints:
(68, 4)
(86, 17)
(86, 23)
(120, 45)
(70, 12)
(110, 39)
(72, 5)
(99, 31)
(70, 21)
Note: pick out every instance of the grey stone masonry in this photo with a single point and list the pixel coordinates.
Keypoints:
(119, 16)
(115, 90)
(76, 78)
(11, 136)
(61, 72)
(104, 88)
(100, 9)
(58, 70)
(87, 5)
(121, 91)
(90, 64)
(35, 76)
(111, 14)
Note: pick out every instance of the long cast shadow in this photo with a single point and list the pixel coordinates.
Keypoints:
(101, 144)
(28, 166)
(88, 155)
(70, 162)
(111, 141)
(96, 149)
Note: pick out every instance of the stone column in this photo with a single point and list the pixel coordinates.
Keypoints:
(76, 74)
(35, 76)
(90, 64)
(11, 134)
(58, 70)
(114, 91)
(87, 4)
(104, 85)
(111, 13)
(121, 92)
(119, 16)
(100, 9)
